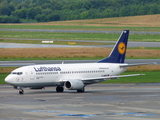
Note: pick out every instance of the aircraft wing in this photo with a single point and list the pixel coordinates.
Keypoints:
(100, 79)
(109, 77)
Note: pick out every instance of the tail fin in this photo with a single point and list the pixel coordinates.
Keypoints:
(119, 51)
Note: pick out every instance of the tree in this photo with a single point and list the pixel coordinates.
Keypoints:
(51, 10)
(5, 10)
(11, 7)
(53, 17)
(124, 11)
(83, 15)
(41, 18)
(22, 13)
(47, 11)
(46, 6)
(9, 19)
(31, 13)
(38, 10)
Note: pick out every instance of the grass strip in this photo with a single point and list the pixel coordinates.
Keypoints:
(81, 26)
(54, 42)
(58, 35)
(2, 77)
(77, 36)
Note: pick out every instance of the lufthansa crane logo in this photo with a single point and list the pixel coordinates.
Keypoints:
(121, 48)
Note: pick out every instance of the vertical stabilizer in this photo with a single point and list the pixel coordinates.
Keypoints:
(119, 51)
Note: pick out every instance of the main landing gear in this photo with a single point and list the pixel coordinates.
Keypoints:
(81, 91)
(59, 89)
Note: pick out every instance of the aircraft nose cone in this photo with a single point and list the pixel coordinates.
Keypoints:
(8, 79)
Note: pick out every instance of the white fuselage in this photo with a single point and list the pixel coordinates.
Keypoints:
(55, 74)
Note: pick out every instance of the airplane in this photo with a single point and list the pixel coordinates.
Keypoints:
(73, 76)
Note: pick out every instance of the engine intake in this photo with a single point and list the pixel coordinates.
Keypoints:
(74, 85)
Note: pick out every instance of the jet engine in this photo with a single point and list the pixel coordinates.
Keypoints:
(74, 85)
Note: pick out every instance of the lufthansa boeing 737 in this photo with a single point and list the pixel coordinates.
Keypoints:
(73, 76)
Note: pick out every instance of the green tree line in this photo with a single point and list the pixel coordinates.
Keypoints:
(24, 11)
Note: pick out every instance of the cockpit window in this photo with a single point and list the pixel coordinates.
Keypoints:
(17, 73)
(13, 73)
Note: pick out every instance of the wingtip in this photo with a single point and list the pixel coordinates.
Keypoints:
(142, 74)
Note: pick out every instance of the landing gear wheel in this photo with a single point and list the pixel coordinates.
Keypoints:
(21, 92)
(59, 89)
(81, 91)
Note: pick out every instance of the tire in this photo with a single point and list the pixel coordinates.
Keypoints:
(59, 89)
(81, 91)
(21, 92)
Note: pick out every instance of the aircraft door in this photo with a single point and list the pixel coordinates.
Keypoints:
(32, 74)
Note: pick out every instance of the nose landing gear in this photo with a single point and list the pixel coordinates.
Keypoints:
(21, 91)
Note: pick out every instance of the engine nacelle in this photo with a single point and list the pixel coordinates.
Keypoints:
(74, 85)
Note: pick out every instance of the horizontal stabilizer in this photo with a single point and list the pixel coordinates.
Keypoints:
(136, 64)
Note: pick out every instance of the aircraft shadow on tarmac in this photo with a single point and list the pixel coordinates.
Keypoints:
(65, 92)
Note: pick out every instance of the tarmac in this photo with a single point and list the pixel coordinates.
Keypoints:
(98, 102)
